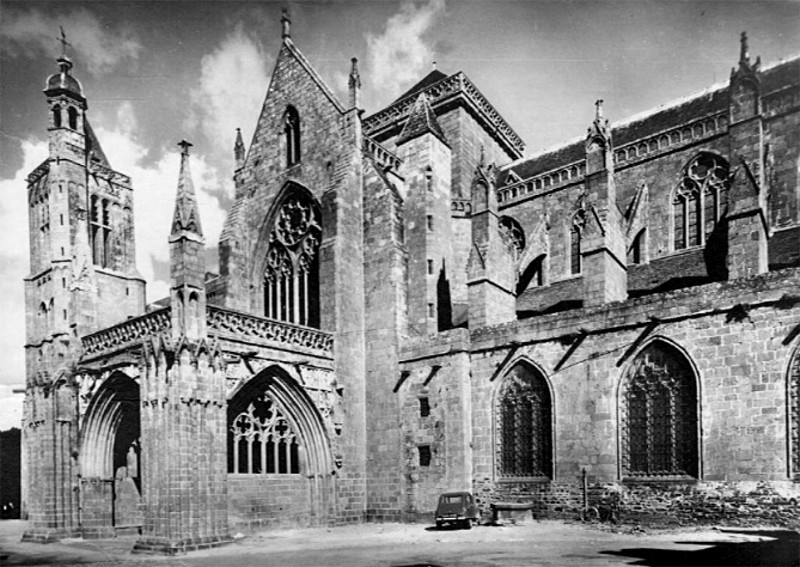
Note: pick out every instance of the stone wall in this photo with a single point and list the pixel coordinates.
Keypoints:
(256, 501)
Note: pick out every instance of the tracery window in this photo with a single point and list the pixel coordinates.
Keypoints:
(291, 278)
(263, 441)
(291, 130)
(512, 234)
(700, 200)
(100, 231)
(658, 415)
(523, 425)
(576, 235)
(794, 414)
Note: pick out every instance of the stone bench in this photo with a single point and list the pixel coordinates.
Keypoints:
(512, 512)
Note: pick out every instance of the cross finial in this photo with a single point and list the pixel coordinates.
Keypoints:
(286, 24)
(185, 147)
(63, 41)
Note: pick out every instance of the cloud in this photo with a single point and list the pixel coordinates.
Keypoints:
(400, 55)
(154, 189)
(99, 46)
(233, 81)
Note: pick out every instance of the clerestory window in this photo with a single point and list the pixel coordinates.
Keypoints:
(291, 277)
(700, 200)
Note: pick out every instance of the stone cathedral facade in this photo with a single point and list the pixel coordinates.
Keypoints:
(407, 304)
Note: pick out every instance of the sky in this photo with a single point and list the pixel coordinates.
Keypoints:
(157, 72)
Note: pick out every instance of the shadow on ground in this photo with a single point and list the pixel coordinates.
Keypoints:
(781, 550)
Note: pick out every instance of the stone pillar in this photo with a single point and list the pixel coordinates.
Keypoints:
(746, 218)
(603, 262)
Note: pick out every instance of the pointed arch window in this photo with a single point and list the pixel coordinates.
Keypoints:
(291, 277)
(57, 116)
(658, 415)
(512, 234)
(575, 238)
(794, 415)
(700, 200)
(262, 440)
(523, 425)
(291, 130)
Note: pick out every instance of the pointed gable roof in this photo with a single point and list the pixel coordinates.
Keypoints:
(422, 120)
(187, 216)
(93, 147)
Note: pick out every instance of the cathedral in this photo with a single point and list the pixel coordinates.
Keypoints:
(406, 303)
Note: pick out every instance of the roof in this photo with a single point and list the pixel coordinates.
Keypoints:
(707, 102)
(433, 77)
(93, 145)
(63, 81)
(422, 120)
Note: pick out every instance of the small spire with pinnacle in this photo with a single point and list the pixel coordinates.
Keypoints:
(286, 24)
(354, 84)
(187, 216)
(598, 112)
(744, 52)
(421, 120)
(238, 149)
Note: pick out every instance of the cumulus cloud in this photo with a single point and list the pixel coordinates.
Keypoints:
(399, 56)
(99, 46)
(154, 188)
(233, 81)
(154, 197)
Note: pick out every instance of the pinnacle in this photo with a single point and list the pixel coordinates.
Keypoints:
(187, 216)
(422, 120)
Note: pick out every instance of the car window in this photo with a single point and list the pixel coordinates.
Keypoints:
(451, 499)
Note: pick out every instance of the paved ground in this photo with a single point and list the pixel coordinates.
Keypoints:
(415, 545)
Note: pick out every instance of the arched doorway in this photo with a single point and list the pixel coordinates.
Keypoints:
(279, 455)
(110, 448)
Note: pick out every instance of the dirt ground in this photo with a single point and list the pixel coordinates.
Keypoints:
(416, 545)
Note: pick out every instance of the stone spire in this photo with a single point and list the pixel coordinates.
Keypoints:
(354, 83)
(422, 120)
(186, 218)
(238, 149)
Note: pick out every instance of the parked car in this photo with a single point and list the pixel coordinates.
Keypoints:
(456, 508)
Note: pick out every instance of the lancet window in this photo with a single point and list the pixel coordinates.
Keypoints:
(291, 277)
(576, 235)
(700, 200)
(291, 130)
(658, 415)
(523, 425)
(72, 116)
(263, 441)
(100, 231)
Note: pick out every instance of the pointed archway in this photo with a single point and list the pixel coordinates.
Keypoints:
(279, 454)
(110, 448)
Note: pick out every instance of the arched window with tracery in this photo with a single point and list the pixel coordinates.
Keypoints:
(291, 130)
(291, 277)
(794, 415)
(512, 234)
(100, 231)
(523, 425)
(700, 200)
(262, 440)
(658, 415)
(575, 237)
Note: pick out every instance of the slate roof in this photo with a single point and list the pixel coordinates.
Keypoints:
(422, 120)
(93, 144)
(711, 101)
(433, 77)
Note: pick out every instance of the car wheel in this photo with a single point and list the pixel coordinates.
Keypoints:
(439, 525)
(467, 524)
